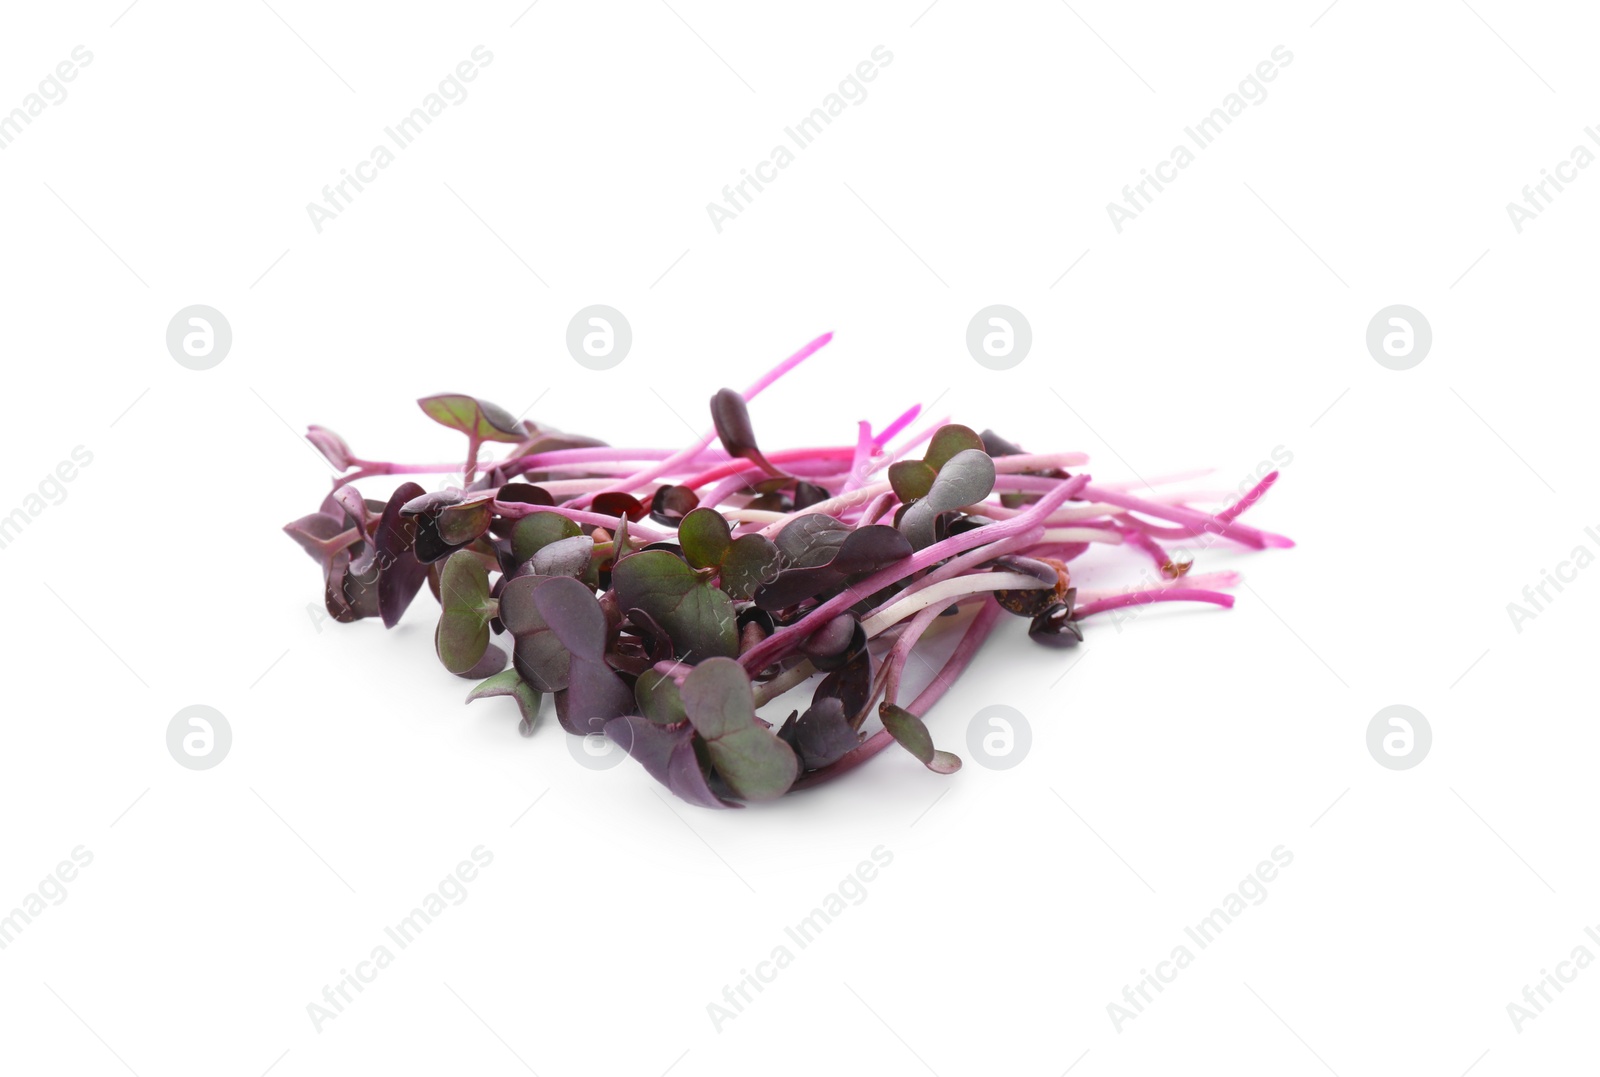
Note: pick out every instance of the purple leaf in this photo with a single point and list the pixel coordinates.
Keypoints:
(748, 755)
(822, 735)
(330, 445)
(731, 417)
(669, 756)
(400, 573)
(672, 503)
(909, 732)
(594, 693)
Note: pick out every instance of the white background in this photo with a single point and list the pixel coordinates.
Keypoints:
(1168, 758)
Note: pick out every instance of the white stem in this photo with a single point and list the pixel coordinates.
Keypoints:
(1010, 465)
(942, 593)
(1081, 534)
(754, 516)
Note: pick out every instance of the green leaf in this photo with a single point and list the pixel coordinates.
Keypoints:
(946, 442)
(463, 632)
(659, 698)
(704, 537)
(909, 732)
(698, 617)
(508, 683)
(537, 530)
(750, 562)
(621, 543)
(915, 479)
(461, 523)
(911, 479)
(473, 417)
(749, 756)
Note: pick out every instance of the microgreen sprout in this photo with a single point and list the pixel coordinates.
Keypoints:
(662, 597)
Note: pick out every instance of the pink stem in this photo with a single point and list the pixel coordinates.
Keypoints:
(977, 632)
(898, 425)
(964, 563)
(1249, 499)
(1136, 537)
(683, 456)
(900, 653)
(773, 647)
(1240, 533)
(1140, 598)
(736, 467)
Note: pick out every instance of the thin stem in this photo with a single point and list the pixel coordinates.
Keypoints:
(941, 595)
(895, 662)
(1240, 533)
(832, 506)
(967, 562)
(1202, 581)
(515, 510)
(789, 678)
(976, 633)
(775, 645)
(1140, 598)
(684, 455)
(1256, 493)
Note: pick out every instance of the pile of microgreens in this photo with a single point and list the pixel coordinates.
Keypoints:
(661, 597)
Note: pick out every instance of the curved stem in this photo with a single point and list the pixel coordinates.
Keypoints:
(833, 506)
(1255, 494)
(963, 564)
(684, 455)
(977, 632)
(1202, 581)
(775, 645)
(789, 678)
(941, 595)
(1240, 533)
(895, 661)
(1140, 598)
(516, 510)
